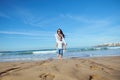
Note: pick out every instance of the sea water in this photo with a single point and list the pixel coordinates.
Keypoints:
(44, 54)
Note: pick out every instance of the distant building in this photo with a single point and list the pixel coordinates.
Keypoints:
(109, 44)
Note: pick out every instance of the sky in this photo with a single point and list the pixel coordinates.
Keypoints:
(32, 24)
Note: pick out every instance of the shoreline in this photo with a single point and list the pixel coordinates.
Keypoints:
(91, 68)
(44, 55)
(64, 58)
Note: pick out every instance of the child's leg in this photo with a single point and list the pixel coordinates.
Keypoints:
(60, 55)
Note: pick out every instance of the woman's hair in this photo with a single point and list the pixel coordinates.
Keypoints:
(61, 32)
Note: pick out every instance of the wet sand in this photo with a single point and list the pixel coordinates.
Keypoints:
(100, 68)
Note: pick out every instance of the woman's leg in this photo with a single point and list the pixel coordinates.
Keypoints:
(60, 57)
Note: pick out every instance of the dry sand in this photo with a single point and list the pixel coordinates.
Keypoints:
(102, 68)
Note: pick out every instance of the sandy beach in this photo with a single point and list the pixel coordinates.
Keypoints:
(100, 68)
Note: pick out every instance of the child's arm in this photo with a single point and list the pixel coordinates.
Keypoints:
(56, 45)
(64, 46)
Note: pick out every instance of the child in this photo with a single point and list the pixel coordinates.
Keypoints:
(60, 46)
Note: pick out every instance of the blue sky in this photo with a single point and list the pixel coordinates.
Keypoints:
(31, 24)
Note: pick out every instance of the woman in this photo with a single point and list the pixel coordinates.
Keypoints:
(60, 43)
(59, 35)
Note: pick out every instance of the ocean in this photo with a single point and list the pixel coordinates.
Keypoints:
(44, 54)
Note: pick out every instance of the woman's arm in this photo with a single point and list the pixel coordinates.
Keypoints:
(63, 39)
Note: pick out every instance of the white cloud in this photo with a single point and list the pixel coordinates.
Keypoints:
(35, 33)
(33, 19)
(88, 20)
(30, 37)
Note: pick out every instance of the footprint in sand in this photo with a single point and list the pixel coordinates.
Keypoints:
(94, 77)
(47, 76)
(8, 70)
